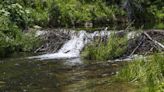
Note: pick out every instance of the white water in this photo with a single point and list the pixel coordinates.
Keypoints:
(74, 46)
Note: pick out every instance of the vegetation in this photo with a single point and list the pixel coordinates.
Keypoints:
(22, 42)
(11, 37)
(19, 15)
(114, 48)
(147, 73)
(69, 13)
(13, 20)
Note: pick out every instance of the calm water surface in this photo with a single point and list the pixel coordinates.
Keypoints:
(76, 75)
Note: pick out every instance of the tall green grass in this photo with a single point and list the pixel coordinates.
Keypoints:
(147, 73)
(115, 47)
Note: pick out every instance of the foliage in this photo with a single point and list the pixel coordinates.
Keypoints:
(114, 48)
(69, 13)
(147, 72)
(39, 17)
(22, 42)
(11, 37)
(18, 15)
(143, 10)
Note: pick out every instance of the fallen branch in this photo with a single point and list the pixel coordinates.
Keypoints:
(156, 42)
(136, 48)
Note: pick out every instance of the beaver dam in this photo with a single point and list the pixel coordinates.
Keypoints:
(69, 44)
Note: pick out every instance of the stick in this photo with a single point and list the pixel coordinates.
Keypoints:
(136, 48)
(156, 42)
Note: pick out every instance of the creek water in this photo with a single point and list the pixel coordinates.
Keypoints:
(63, 71)
(19, 74)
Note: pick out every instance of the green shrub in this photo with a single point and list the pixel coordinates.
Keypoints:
(114, 48)
(16, 13)
(24, 43)
(12, 39)
(29, 42)
(39, 17)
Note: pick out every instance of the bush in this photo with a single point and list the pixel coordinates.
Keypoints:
(12, 39)
(17, 14)
(39, 17)
(28, 42)
(114, 48)
(25, 43)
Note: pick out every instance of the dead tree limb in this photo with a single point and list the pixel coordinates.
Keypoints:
(155, 42)
(136, 48)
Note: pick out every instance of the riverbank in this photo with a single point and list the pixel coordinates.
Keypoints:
(146, 73)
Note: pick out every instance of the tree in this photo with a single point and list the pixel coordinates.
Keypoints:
(133, 9)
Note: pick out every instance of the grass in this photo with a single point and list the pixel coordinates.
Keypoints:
(115, 47)
(147, 73)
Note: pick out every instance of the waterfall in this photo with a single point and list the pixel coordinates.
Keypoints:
(74, 46)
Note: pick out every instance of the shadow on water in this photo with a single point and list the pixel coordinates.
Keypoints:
(24, 75)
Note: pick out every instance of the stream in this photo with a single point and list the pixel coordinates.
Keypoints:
(63, 71)
(19, 74)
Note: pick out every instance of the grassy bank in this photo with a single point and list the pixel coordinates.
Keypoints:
(147, 74)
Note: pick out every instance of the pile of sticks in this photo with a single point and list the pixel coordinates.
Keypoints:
(52, 41)
(148, 42)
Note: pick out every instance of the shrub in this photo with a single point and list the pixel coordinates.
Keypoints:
(29, 42)
(12, 39)
(24, 42)
(17, 14)
(38, 17)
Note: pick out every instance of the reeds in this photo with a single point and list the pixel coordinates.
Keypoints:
(148, 73)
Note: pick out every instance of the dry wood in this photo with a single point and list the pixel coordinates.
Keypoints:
(52, 41)
(154, 41)
(136, 48)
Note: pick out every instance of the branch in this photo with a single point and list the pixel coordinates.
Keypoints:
(156, 42)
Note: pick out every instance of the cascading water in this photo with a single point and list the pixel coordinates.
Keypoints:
(74, 46)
